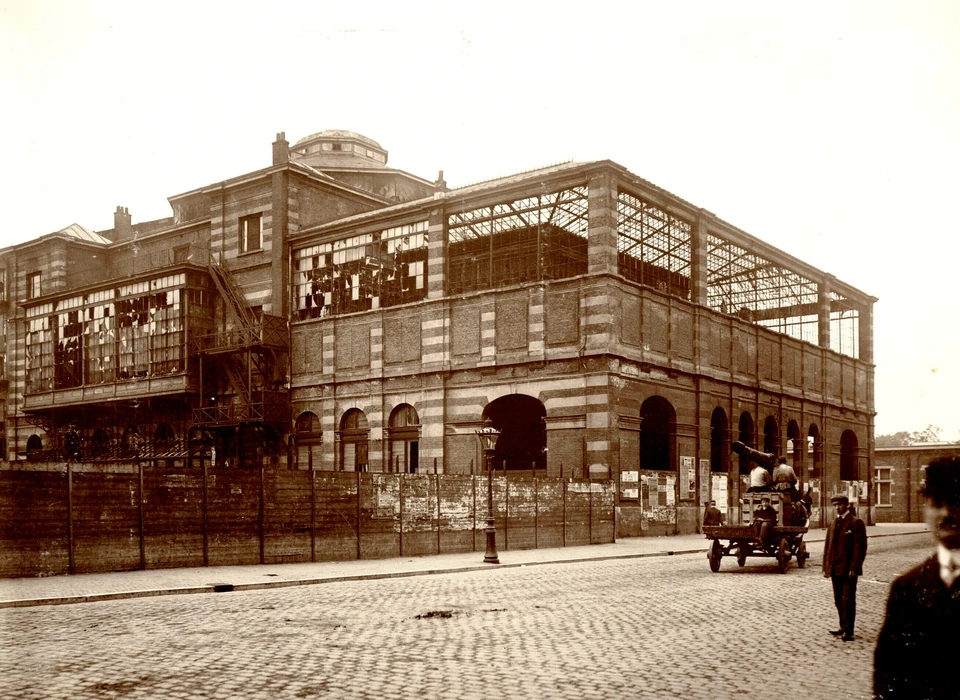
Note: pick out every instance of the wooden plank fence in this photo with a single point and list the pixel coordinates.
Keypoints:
(84, 518)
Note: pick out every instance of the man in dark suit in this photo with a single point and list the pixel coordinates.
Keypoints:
(843, 555)
(711, 514)
(917, 650)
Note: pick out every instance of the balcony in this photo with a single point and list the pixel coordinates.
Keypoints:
(160, 385)
(264, 407)
(270, 331)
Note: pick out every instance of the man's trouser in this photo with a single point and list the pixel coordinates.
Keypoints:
(845, 598)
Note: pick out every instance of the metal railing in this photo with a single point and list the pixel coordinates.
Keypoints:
(263, 407)
(270, 331)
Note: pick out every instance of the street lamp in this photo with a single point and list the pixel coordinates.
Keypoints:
(488, 441)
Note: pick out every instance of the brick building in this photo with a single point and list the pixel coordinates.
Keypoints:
(328, 312)
(897, 477)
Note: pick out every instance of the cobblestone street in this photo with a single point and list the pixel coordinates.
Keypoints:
(632, 628)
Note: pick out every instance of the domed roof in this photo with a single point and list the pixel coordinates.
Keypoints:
(340, 134)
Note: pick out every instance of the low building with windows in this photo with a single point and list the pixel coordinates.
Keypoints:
(898, 477)
(328, 312)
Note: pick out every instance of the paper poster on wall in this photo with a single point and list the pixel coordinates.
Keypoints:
(657, 499)
(629, 484)
(688, 479)
(704, 480)
(719, 485)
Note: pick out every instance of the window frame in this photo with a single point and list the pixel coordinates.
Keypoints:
(34, 285)
(244, 233)
(880, 480)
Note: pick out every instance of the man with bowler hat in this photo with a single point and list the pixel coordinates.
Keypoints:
(843, 555)
(919, 645)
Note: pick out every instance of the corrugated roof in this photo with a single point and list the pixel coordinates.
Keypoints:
(83, 234)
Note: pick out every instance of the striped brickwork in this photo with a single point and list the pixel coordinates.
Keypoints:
(436, 263)
(602, 216)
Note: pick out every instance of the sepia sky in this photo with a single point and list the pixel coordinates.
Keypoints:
(828, 129)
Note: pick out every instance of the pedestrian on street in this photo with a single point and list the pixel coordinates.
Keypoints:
(917, 650)
(843, 555)
(711, 514)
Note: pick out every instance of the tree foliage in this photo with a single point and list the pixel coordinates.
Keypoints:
(900, 439)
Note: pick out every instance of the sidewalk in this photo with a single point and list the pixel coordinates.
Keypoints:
(82, 588)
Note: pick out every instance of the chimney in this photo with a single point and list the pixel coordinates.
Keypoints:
(441, 184)
(121, 223)
(281, 149)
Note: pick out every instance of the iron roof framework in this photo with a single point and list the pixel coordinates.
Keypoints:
(653, 246)
(760, 291)
(543, 236)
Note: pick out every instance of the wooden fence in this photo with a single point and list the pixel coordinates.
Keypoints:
(80, 518)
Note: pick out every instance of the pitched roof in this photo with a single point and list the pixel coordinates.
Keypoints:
(83, 234)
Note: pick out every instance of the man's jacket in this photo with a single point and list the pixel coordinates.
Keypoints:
(846, 546)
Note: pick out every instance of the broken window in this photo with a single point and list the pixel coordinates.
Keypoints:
(359, 273)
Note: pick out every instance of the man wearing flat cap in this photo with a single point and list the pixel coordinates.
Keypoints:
(843, 555)
(918, 648)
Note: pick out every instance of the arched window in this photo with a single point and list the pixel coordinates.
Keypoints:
(747, 436)
(34, 447)
(164, 437)
(519, 418)
(404, 435)
(657, 434)
(771, 435)
(308, 437)
(719, 441)
(849, 457)
(354, 441)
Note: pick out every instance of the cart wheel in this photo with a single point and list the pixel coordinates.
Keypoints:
(783, 555)
(802, 555)
(742, 551)
(716, 553)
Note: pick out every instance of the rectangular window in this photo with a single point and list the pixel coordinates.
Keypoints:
(33, 285)
(251, 233)
(3, 284)
(884, 483)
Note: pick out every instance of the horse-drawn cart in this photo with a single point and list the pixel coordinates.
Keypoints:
(783, 541)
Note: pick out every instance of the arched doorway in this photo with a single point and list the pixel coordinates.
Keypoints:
(308, 438)
(771, 436)
(748, 437)
(719, 441)
(404, 439)
(795, 449)
(815, 451)
(523, 440)
(658, 421)
(354, 441)
(849, 457)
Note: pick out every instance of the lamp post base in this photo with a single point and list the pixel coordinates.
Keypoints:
(491, 557)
